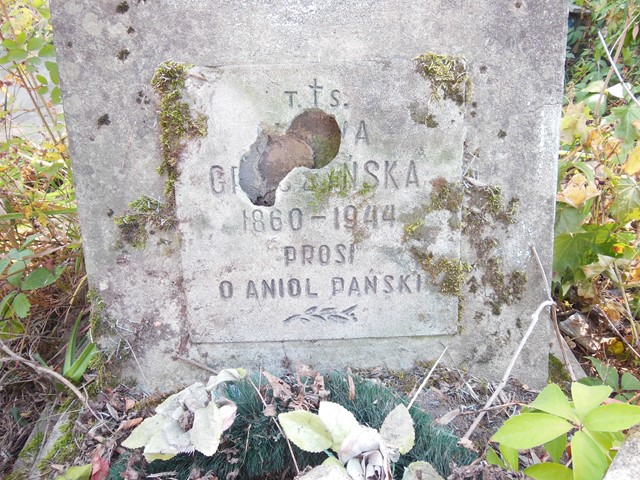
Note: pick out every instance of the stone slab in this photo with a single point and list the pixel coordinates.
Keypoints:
(155, 304)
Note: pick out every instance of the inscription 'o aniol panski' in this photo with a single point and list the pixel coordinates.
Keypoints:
(294, 209)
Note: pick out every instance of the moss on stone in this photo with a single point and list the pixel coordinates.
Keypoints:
(448, 76)
(143, 214)
(446, 273)
(65, 447)
(507, 288)
(557, 373)
(177, 122)
(445, 196)
(336, 182)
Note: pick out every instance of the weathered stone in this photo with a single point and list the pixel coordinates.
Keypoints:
(448, 115)
(626, 464)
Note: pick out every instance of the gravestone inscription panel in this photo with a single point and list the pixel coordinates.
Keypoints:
(341, 183)
(330, 257)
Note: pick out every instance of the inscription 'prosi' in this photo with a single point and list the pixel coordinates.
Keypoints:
(322, 255)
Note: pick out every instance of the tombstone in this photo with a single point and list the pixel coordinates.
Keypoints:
(262, 183)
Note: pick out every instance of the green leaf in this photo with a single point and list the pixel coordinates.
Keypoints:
(626, 116)
(17, 54)
(604, 372)
(494, 459)
(47, 51)
(56, 95)
(3, 264)
(552, 400)
(35, 43)
(556, 447)
(40, 277)
(629, 382)
(42, 79)
(80, 472)
(10, 329)
(568, 219)
(305, 430)
(52, 68)
(549, 471)
(589, 462)
(626, 206)
(587, 398)
(10, 43)
(339, 422)
(510, 456)
(613, 417)
(15, 273)
(529, 430)
(20, 305)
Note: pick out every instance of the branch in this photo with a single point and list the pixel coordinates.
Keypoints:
(615, 69)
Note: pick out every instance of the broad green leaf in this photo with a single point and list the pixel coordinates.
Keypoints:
(494, 459)
(613, 417)
(52, 68)
(3, 264)
(327, 471)
(587, 398)
(10, 329)
(549, 471)
(305, 430)
(6, 303)
(556, 447)
(56, 95)
(589, 462)
(529, 430)
(9, 43)
(339, 421)
(42, 79)
(552, 400)
(568, 219)
(40, 277)
(629, 382)
(20, 305)
(510, 456)
(15, 272)
(17, 54)
(397, 429)
(606, 373)
(47, 51)
(625, 116)
(80, 365)
(626, 206)
(79, 472)
(35, 43)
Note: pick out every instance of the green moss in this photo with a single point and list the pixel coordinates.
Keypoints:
(445, 196)
(27, 456)
(336, 182)
(448, 274)
(557, 373)
(412, 228)
(507, 289)
(65, 448)
(143, 214)
(177, 122)
(448, 76)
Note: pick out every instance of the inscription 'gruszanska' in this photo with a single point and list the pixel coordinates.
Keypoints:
(346, 287)
(387, 174)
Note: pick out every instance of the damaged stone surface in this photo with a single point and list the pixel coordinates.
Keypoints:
(355, 61)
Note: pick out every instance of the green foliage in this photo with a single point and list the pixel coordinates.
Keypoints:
(77, 359)
(596, 432)
(625, 386)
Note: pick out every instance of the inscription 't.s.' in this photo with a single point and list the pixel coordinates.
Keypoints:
(316, 96)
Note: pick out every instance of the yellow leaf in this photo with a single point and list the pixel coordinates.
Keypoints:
(577, 191)
(632, 166)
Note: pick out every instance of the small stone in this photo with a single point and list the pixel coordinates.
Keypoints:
(577, 327)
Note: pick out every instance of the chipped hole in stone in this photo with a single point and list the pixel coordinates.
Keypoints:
(483, 69)
(122, 7)
(312, 140)
(104, 120)
(130, 30)
(502, 134)
(518, 4)
(123, 54)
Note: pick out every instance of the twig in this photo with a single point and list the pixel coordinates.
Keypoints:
(554, 319)
(632, 321)
(615, 69)
(495, 407)
(534, 320)
(47, 371)
(424, 382)
(194, 363)
(264, 403)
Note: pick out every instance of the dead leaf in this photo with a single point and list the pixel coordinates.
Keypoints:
(280, 389)
(129, 403)
(577, 191)
(632, 165)
(448, 417)
(129, 424)
(270, 410)
(99, 467)
(352, 386)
